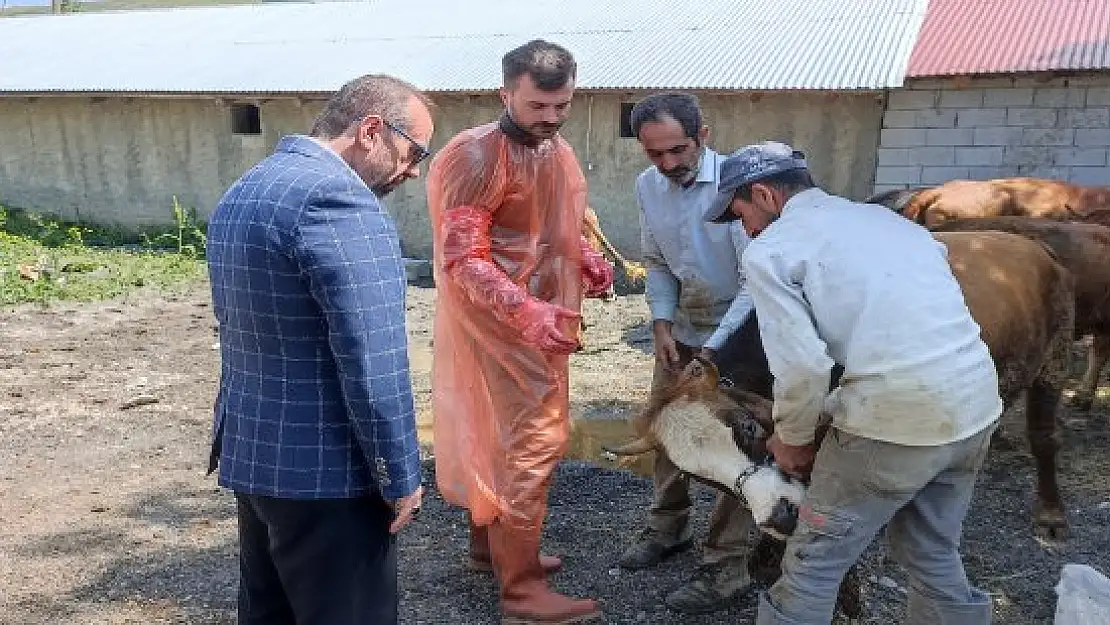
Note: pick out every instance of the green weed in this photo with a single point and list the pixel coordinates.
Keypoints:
(43, 259)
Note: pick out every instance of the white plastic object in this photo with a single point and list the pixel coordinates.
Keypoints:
(1083, 596)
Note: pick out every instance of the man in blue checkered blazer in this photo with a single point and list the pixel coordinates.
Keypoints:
(314, 421)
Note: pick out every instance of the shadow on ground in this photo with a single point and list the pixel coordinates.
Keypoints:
(190, 574)
(173, 559)
(638, 337)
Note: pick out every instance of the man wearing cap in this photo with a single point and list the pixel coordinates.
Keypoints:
(695, 292)
(840, 282)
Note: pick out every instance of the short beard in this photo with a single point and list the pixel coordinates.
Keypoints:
(531, 129)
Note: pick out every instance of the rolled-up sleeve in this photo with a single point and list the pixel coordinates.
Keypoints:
(797, 356)
(347, 249)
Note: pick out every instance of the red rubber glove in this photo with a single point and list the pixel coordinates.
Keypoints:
(466, 257)
(597, 273)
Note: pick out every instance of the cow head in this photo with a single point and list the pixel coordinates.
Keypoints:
(718, 435)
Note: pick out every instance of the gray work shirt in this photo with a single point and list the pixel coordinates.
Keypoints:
(857, 284)
(694, 277)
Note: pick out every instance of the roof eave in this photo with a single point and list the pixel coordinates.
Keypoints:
(1003, 73)
(323, 95)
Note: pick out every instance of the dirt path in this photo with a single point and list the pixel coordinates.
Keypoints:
(108, 518)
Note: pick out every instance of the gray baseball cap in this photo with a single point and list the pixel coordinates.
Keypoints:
(747, 165)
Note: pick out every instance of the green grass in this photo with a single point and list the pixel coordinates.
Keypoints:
(44, 260)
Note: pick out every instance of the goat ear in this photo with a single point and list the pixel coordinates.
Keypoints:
(702, 368)
(694, 369)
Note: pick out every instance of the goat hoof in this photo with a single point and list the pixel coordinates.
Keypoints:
(1050, 523)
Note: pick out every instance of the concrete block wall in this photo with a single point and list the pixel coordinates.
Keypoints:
(938, 130)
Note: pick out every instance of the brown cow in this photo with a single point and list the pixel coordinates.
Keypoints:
(1026, 197)
(1024, 302)
(1018, 197)
(1084, 249)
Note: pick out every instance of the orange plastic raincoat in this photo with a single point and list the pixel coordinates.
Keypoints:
(510, 264)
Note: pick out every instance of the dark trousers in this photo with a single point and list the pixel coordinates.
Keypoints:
(316, 562)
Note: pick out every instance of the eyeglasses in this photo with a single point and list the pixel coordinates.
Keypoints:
(422, 152)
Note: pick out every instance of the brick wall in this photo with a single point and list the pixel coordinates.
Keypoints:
(934, 131)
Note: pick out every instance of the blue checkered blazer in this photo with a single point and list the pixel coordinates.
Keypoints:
(308, 287)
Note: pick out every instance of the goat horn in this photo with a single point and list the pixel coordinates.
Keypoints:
(639, 446)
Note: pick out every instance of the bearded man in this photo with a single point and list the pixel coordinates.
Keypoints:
(507, 202)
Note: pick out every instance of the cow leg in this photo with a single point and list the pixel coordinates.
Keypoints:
(1043, 400)
(1097, 356)
(765, 563)
(849, 598)
(1042, 403)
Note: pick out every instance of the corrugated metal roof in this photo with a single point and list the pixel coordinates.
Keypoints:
(1011, 36)
(452, 45)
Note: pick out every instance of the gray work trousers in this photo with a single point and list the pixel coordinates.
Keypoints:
(921, 494)
(731, 526)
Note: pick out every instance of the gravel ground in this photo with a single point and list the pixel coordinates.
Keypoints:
(108, 518)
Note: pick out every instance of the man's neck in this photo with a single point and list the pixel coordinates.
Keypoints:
(515, 133)
(789, 195)
(337, 145)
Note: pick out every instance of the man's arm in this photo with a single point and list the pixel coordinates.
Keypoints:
(467, 186)
(796, 354)
(742, 304)
(661, 288)
(347, 249)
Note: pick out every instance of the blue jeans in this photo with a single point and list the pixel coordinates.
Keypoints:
(921, 495)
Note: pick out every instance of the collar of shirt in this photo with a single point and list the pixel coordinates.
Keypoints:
(805, 199)
(710, 168)
(291, 142)
(708, 172)
(794, 209)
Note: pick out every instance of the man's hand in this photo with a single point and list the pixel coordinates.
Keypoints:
(597, 274)
(796, 461)
(554, 329)
(405, 508)
(666, 351)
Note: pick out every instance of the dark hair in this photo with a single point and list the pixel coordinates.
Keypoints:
(550, 65)
(790, 180)
(681, 107)
(372, 94)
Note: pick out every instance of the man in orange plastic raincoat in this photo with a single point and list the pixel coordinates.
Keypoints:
(507, 201)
